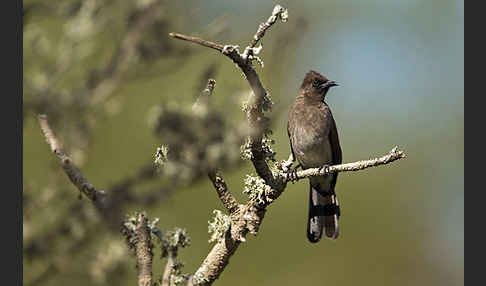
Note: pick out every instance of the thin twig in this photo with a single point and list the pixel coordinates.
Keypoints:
(199, 41)
(393, 155)
(74, 174)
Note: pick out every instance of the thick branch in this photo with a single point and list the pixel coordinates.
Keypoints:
(74, 174)
(143, 252)
(245, 220)
(228, 200)
(215, 262)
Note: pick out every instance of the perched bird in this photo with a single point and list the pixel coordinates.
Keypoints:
(314, 143)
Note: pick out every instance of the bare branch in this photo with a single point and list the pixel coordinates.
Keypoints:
(228, 200)
(393, 155)
(278, 12)
(143, 252)
(74, 174)
(199, 41)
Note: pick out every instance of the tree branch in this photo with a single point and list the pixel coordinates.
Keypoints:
(143, 251)
(278, 12)
(168, 269)
(199, 41)
(74, 174)
(393, 155)
(228, 200)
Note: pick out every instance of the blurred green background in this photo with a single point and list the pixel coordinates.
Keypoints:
(400, 66)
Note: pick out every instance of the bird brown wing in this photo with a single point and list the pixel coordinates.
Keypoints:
(334, 140)
(290, 139)
(336, 154)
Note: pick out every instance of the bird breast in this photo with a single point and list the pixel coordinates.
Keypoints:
(310, 138)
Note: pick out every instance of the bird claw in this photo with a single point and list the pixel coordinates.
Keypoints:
(325, 168)
(292, 174)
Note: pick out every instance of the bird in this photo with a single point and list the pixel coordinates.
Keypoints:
(314, 143)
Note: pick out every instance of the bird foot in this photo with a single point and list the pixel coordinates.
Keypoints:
(292, 174)
(325, 168)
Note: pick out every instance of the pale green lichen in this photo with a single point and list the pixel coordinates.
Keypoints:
(269, 154)
(161, 156)
(267, 102)
(267, 149)
(245, 150)
(257, 190)
(218, 227)
(247, 104)
(129, 228)
(176, 275)
(174, 239)
(282, 12)
(170, 242)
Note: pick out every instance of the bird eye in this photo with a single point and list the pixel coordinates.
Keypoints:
(316, 82)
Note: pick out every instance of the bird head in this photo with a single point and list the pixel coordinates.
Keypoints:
(315, 85)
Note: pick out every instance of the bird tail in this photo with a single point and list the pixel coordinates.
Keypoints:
(324, 212)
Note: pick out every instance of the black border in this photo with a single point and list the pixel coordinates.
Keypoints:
(11, 79)
(474, 73)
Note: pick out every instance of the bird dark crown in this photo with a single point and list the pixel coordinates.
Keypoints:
(311, 76)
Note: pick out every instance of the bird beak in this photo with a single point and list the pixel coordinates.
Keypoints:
(331, 83)
(328, 84)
